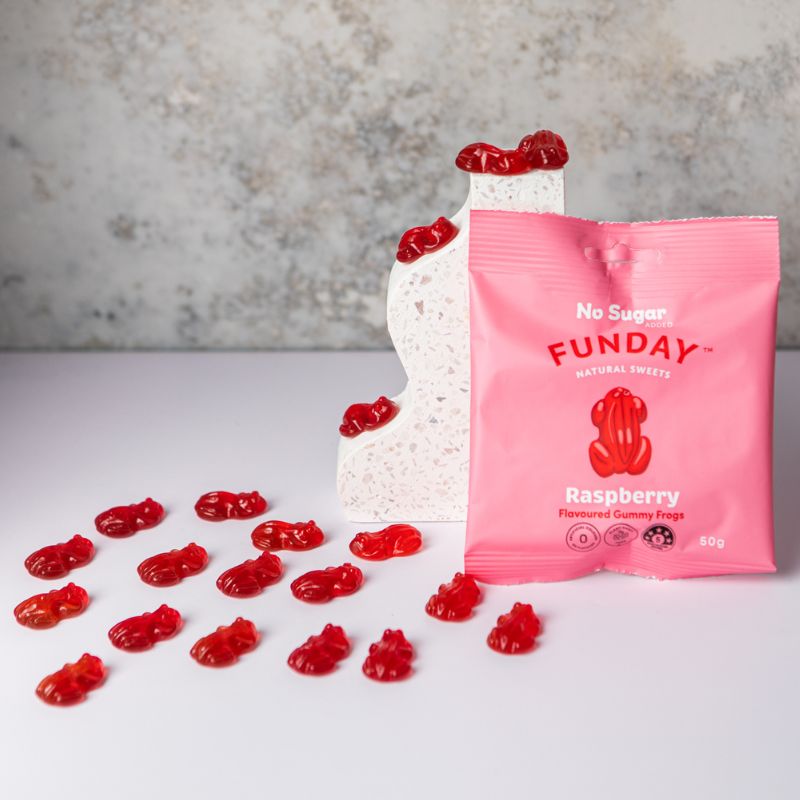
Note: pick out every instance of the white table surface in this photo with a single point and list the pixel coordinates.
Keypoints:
(639, 688)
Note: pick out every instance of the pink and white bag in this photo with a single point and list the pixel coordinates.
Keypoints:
(622, 379)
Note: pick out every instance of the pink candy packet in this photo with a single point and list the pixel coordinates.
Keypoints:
(622, 379)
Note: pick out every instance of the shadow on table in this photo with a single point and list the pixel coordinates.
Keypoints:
(787, 472)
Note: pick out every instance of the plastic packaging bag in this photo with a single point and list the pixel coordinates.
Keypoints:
(622, 379)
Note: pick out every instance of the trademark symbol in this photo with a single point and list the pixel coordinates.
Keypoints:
(708, 349)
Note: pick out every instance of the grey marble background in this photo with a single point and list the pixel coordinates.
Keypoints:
(225, 173)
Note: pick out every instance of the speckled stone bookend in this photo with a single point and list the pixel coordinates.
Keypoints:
(416, 466)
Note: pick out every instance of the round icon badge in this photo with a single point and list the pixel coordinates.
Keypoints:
(583, 537)
(659, 537)
(620, 534)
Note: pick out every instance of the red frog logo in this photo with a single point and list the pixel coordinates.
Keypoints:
(620, 446)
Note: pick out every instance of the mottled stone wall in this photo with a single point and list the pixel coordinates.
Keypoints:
(225, 173)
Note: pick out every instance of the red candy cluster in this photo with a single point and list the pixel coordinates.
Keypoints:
(540, 150)
(47, 610)
(224, 646)
(121, 521)
(424, 239)
(362, 417)
(396, 540)
(516, 631)
(390, 658)
(320, 654)
(58, 560)
(620, 447)
(167, 569)
(219, 506)
(72, 682)
(251, 577)
(142, 632)
(277, 535)
(455, 600)
(322, 585)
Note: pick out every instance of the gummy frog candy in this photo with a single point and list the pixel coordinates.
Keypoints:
(72, 682)
(322, 585)
(251, 577)
(167, 569)
(219, 506)
(320, 654)
(390, 658)
(544, 150)
(540, 150)
(142, 632)
(47, 610)
(454, 600)
(362, 417)
(516, 631)
(123, 521)
(396, 540)
(57, 560)
(620, 446)
(424, 239)
(224, 646)
(277, 535)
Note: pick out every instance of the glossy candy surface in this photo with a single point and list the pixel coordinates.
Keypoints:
(251, 577)
(516, 631)
(219, 506)
(141, 633)
(224, 646)
(362, 417)
(319, 655)
(322, 585)
(167, 569)
(72, 682)
(390, 658)
(424, 239)
(541, 150)
(455, 600)
(48, 609)
(395, 540)
(277, 535)
(121, 521)
(57, 560)
(620, 446)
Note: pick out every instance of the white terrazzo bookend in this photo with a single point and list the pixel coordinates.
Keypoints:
(416, 467)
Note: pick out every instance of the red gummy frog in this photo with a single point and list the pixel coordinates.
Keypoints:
(122, 521)
(224, 646)
(424, 239)
(322, 585)
(219, 506)
(72, 682)
(57, 560)
(141, 633)
(251, 577)
(455, 600)
(396, 540)
(47, 610)
(516, 631)
(362, 417)
(318, 655)
(620, 446)
(540, 150)
(390, 658)
(277, 535)
(167, 569)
